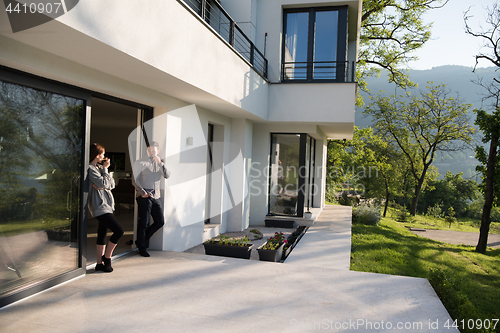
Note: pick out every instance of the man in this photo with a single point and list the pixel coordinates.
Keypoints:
(148, 173)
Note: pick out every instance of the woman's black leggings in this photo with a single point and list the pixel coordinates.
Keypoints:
(108, 221)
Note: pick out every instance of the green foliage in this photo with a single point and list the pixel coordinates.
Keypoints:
(421, 126)
(451, 191)
(346, 199)
(229, 241)
(366, 214)
(450, 216)
(390, 32)
(271, 246)
(365, 165)
(435, 211)
(455, 301)
(489, 124)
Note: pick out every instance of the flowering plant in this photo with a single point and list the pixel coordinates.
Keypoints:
(278, 237)
(274, 242)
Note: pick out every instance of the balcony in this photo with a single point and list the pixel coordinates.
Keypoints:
(318, 71)
(215, 16)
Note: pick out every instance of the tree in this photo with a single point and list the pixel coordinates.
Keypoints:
(390, 31)
(367, 163)
(451, 191)
(422, 125)
(488, 123)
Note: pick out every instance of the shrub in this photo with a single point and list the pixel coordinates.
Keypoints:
(435, 211)
(347, 199)
(450, 216)
(366, 214)
(456, 302)
(402, 214)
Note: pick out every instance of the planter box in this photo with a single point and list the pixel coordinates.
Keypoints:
(242, 252)
(286, 253)
(301, 230)
(270, 255)
(280, 223)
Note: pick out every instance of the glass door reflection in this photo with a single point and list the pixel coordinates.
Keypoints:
(41, 144)
(285, 168)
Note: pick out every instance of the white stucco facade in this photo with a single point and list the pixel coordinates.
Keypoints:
(160, 54)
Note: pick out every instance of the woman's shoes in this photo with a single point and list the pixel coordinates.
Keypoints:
(99, 267)
(107, 265)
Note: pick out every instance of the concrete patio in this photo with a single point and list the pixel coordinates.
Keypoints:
(188, 292)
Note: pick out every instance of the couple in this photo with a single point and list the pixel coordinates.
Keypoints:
(147, 175)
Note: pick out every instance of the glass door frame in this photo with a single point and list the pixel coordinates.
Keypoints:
(302, 191)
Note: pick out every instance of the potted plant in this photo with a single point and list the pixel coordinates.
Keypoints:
(272, 250)
(229, 247)
(308, 215)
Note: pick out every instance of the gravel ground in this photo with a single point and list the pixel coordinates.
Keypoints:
(267, 233)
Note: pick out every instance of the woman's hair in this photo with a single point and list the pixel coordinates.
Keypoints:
(95, 149)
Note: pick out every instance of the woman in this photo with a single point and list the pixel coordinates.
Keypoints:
(102, 205)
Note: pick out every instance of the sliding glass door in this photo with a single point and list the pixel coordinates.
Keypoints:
(41, 150)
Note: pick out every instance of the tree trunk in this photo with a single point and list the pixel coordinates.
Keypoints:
(387, 194)
(414, 202)
(488, 195)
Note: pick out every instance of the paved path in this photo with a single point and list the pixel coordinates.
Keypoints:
(188, 292)
(458, 237)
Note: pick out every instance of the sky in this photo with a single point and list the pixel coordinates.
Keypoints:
(449, 45)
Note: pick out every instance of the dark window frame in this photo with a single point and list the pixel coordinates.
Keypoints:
(342, 39)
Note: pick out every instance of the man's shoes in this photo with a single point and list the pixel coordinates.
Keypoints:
(144, 253)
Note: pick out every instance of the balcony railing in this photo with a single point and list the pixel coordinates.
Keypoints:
(318, 71)
(213, 13)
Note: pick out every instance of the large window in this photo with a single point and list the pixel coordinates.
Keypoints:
(314, 47)
(41, 144)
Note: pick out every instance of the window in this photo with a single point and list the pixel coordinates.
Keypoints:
(314, 47)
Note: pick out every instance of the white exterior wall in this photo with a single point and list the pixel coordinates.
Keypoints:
(162, 56)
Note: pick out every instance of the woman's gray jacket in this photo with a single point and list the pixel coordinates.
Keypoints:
(100, 201)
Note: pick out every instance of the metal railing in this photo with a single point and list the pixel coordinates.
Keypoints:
(213, 13)
(334, 71)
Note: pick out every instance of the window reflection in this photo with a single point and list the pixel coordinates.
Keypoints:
(313, 44)
(40, 161)
(285, 168)
(297, 27)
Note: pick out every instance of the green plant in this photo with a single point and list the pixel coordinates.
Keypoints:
(271, 246)
(402, 214)
(449, 291)
(435, 211)
(366, 214)
(278, 237)
(229, 241)
(255, 231)
(450, 216)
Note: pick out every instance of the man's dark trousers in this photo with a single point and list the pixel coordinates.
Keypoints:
(148, 207)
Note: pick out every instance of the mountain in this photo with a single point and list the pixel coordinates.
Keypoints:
(459, 80)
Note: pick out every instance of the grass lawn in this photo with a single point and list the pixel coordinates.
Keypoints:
(462, 223)
(390, 248)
